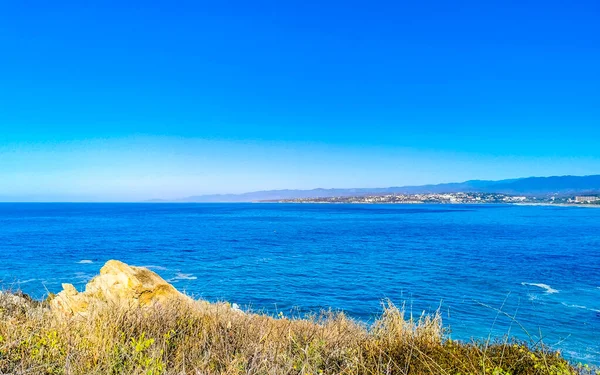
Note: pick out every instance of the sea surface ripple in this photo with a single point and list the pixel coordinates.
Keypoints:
(492, 270)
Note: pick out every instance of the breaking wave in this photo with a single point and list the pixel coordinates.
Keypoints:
(547, 288)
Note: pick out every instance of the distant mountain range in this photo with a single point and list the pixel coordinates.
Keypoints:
(530, 186)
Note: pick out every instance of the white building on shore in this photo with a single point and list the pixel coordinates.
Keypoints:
(586, 199)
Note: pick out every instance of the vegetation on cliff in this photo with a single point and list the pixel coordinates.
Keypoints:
(183, 336)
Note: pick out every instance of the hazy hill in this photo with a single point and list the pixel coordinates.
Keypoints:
(538, 186)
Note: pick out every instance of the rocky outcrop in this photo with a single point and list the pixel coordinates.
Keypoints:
(117, 285)
(13, 304)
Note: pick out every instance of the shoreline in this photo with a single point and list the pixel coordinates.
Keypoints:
(584, 205)
(158, 329)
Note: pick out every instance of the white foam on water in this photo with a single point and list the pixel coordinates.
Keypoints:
(26, 281)
(85, 261)
(548, 288)
(579, 307)
(184, 276)
(160, 268)
(574, 306)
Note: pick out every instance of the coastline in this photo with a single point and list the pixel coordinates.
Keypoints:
(584, 205)
(130, 320)
(451, 203)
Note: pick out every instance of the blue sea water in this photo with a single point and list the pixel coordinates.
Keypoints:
(531, 272)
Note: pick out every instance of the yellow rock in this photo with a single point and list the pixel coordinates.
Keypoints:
(118, 284)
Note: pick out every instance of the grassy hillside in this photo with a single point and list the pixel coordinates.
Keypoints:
(204, 338)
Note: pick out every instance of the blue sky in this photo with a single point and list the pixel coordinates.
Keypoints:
(118, 100)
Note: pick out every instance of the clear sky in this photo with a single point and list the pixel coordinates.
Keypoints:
(127, 100)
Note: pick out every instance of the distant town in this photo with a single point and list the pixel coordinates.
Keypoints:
(453, 198)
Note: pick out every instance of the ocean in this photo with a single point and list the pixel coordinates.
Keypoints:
(532, 272)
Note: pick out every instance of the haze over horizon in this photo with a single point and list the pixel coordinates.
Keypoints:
(134, 101)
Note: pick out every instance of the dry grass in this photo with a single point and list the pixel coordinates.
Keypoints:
(215, 339)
